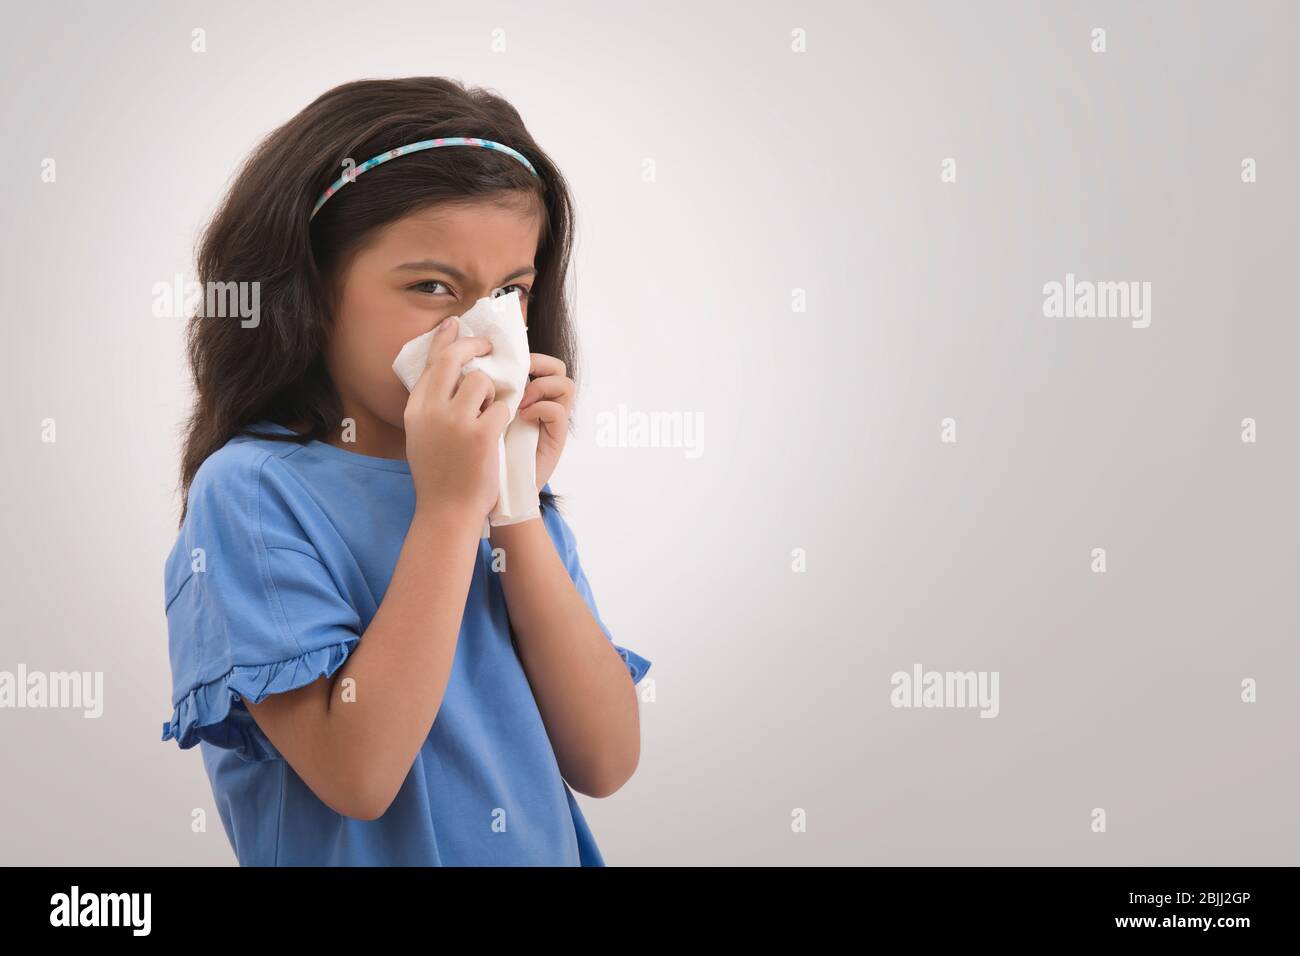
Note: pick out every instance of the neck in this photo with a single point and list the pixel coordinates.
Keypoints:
(369, 435)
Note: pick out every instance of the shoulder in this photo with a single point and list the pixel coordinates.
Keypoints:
(239, 491)
(241, 464)
(248, 475)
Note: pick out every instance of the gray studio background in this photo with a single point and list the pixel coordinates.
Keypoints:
(776, 171)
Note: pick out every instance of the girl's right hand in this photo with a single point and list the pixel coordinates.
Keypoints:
(454, 426)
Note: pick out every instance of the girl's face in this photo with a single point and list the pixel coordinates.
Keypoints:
(415, 273)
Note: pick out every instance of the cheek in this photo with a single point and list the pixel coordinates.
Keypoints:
(374, 384)
(383, 388)
(363, 345)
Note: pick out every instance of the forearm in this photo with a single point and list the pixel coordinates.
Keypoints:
(398, 672)
(583, 690)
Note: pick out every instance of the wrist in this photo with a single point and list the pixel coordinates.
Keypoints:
(502, 533)
(448, 521)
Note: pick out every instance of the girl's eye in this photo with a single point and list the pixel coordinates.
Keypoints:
(428, 282)
(505, 290)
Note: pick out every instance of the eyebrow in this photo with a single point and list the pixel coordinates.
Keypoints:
(428, 265)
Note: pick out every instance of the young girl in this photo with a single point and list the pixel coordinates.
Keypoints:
(369, 684)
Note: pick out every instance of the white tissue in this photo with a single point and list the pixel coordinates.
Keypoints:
(502, 322)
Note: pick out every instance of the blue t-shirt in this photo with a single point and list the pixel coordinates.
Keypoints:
(283, 559)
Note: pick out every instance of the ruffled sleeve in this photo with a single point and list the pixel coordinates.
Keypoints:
(252, 609)
(567, 545)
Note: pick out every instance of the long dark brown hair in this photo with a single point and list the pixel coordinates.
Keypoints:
(262, 232)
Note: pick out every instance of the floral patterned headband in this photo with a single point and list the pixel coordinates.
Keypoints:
(352, 174)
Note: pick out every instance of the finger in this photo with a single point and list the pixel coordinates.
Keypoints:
(448, 359)
(552, 416)
(473, 393)
(552, 387)
(542, 364)
(445, 331)
(495, 418)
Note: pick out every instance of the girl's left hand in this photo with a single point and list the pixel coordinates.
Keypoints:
(548, 400)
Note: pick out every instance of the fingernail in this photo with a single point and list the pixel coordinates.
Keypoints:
(445, 323)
